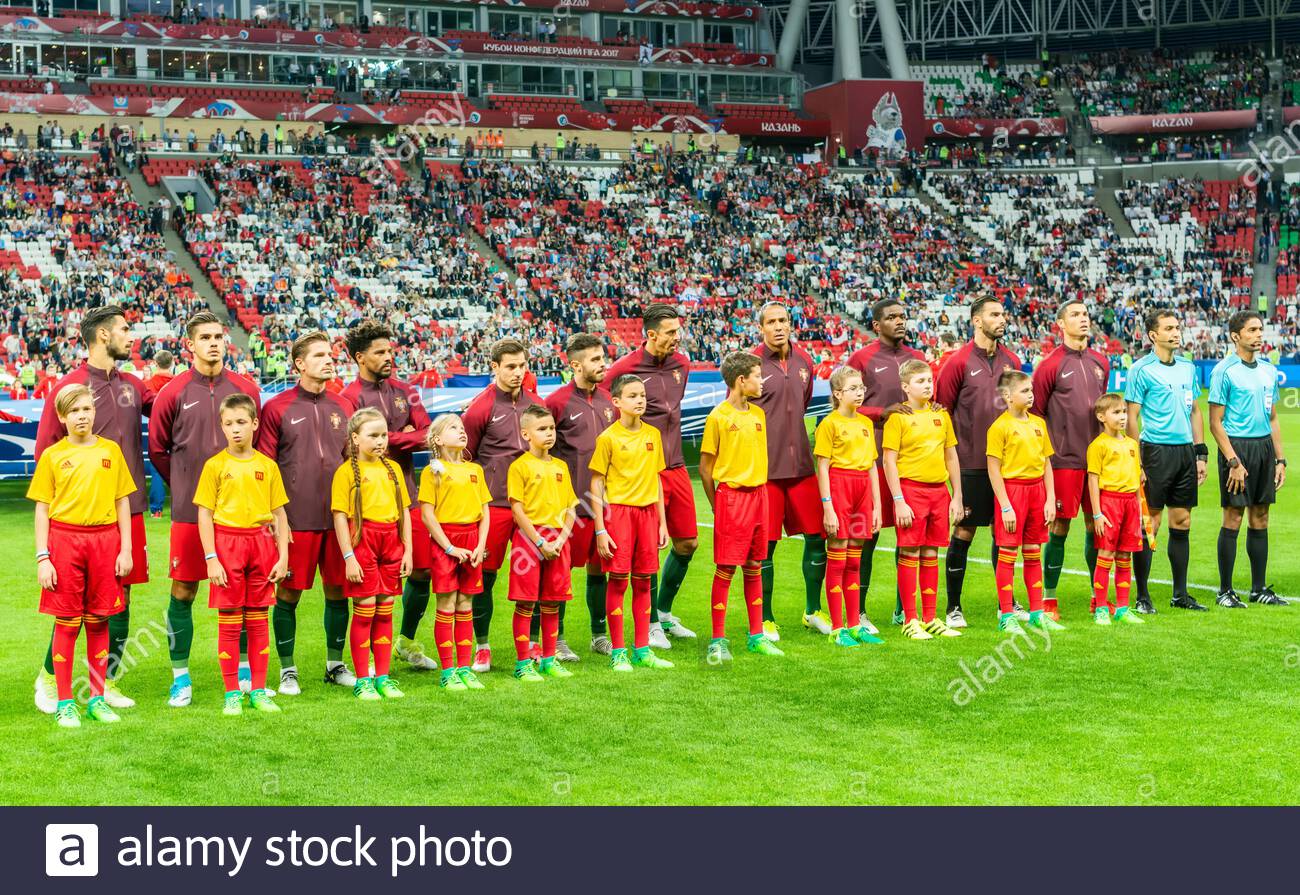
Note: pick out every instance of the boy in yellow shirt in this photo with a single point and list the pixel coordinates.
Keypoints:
(542, 503)
(733, 470)
(245, 535)
(83, 546)
(1114, 475)
(1018, 448)
(628, 512)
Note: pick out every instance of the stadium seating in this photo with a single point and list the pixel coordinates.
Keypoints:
(1150, 83)
(991, 90)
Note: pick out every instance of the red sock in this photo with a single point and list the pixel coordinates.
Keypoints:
(836, 560)
(381, 638)
(359, 638)
(550, 628)
(259, 645)
(615, 593)
(229, 623)
(909, 570)
(464, 627)
(1005, 577)
(718, 599)
(65, 644)
(1123, 577)
(522, 621)
(852, 571)
(640, 611)
(753, 576)
(1100, 582)
(96, 651)
(1034, 576)
(443, 639)
(929, 587)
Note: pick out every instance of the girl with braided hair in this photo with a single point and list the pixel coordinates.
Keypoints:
(369, 501)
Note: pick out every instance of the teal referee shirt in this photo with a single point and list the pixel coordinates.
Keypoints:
(1248, 393)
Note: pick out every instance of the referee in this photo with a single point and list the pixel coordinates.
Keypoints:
(1161, 394)
(1243, 420)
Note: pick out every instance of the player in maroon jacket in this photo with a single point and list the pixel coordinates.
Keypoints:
(664, 370)
(120, 401)
(878, 363)
(1066, 386)
(370, 345)
(967, 387)
(184, 432)
(793, 500)
(582, 411)
(494, 441)
(305, 430)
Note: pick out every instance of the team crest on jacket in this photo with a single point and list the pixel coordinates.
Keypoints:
(803, 374)
(677, 376)
(399, 403)
(128, 395)
(1096, 371)
(609, 415)
(336, 420)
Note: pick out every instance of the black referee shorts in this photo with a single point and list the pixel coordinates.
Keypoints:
(1171, 475)
(1256, 454)
(977, 494)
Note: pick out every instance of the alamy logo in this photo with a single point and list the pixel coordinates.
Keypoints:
(71, 850)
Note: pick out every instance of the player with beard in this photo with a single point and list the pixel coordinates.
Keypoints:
(305, 430)
(879, 363)
(582, 410)
(967, 387)
(793, 500)
(1067, 385)
(184, 432)
(121, 400)
(370, 345)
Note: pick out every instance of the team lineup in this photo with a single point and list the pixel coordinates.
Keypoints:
(321, 480)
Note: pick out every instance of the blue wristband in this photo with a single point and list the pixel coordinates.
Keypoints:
(348, 555)
(826, 500)
(1007, 509)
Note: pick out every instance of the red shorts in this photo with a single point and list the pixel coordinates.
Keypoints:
(533, 578)
(886, 502)
(679, 503)
(1027, 497)
(1071, 487)
(380, 556)
(248, 555)
(929, 503)
(312, 550)
(187, 563)
(796, 504)
(85, 564)
(448, 576)
(1124, 513)
(422, 546)
(501, 528)
(582, 543)
(635, 533)
(739, 525)
(139, 553)
(851, 499)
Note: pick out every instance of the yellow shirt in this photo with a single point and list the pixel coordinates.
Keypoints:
(1115, 462)
(378, 494)
(921, 439)
(848, 443)
(457, 496)
(81, 483)
(543, 487)
(1022, 445)
(736, 438)
(240, 493)
(631, 463)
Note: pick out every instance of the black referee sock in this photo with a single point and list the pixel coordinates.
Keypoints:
(1179, 550)
(1257, 550)
(955, 570)
(1142, 571)
(1227, 557)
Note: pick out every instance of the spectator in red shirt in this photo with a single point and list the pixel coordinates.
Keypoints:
(17, 392)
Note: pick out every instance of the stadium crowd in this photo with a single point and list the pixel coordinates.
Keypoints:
(1151, 82)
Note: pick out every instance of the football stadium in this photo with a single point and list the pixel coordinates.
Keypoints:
(365, 365)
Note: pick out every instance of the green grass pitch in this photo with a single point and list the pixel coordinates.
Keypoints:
(1191, 708)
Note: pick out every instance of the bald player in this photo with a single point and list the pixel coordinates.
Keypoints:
(1066, 386)
(878, 363)
(664, 370)
(793, 501)
(967, 386)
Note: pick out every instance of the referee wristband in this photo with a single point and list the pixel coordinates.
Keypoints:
(209, 556)
(1202, 452)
